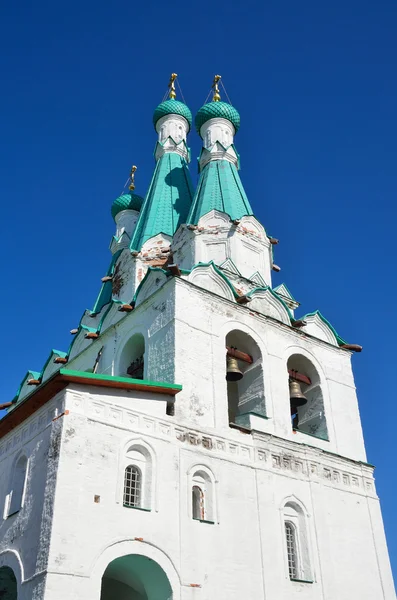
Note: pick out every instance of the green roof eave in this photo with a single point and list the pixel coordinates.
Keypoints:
(59, 380)
(283, 284)
(340, 340)
(147, 274)
(171, 388)
(105, 293)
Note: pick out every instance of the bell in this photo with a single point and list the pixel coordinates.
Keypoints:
(233, 373)
(296, 396)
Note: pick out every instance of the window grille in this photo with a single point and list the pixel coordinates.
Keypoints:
(290, 536)
(198, 503)
(132, 486)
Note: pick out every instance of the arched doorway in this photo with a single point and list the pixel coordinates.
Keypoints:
(8, 584)
(135, 577)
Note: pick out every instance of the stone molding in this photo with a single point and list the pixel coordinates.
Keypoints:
(260, 450)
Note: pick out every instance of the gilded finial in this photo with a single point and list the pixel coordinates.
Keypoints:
(132, 178)
(216, 97)
(171, 86)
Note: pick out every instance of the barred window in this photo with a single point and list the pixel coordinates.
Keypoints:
(292, 554)
(132, 486)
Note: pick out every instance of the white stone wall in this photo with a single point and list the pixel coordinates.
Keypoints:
(25, 536)
(242, 554)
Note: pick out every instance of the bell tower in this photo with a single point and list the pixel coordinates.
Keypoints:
(198, 439)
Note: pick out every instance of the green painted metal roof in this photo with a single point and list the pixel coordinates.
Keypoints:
(172, 107)
(213, 110)
(219, 188)
(128, 201)
(167, 202)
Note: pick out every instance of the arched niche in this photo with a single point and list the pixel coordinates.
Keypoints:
(132, 358)
(309, 418)
(246, 396)
(8, 584)
(135, 577)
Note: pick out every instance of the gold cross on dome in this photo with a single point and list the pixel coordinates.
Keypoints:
(216, 97)
(132, 178)
(171, 86)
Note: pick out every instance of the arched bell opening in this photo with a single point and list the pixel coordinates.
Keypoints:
(132, 360)
(8, 584)
(135, 577)
(244, 376)
(306, 398)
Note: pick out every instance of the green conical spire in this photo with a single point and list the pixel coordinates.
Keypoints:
(170, 194)
(167, 202)
(219, 188)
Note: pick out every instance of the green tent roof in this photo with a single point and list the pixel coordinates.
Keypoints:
(167, 202)
(219, 188)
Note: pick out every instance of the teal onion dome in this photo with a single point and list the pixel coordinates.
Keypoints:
(127, 201)
(214, 110)
(172, 107)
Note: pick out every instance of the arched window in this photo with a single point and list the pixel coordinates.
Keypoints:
(132, 363)
(137, 473)
(296, 542)
(132, 486)
(292, 554)
(202, 496)
(307, 413)
(244, 376)
(17, 485)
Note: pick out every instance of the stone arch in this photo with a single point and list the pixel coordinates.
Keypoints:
(246, 396)
(309, 418)
(11, 574)
(8, 584)
(133, 564)
(131, 359)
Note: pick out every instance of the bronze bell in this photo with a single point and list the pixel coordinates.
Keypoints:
(233, 372)
(296, 396)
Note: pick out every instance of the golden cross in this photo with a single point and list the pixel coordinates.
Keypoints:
(216, 97)
(132, 178)
(171, 86)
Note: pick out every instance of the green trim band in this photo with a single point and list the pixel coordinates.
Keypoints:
(130, 380)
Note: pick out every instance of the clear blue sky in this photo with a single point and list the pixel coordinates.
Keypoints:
(315, 84)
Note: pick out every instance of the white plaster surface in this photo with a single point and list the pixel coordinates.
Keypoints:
(61, 541)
